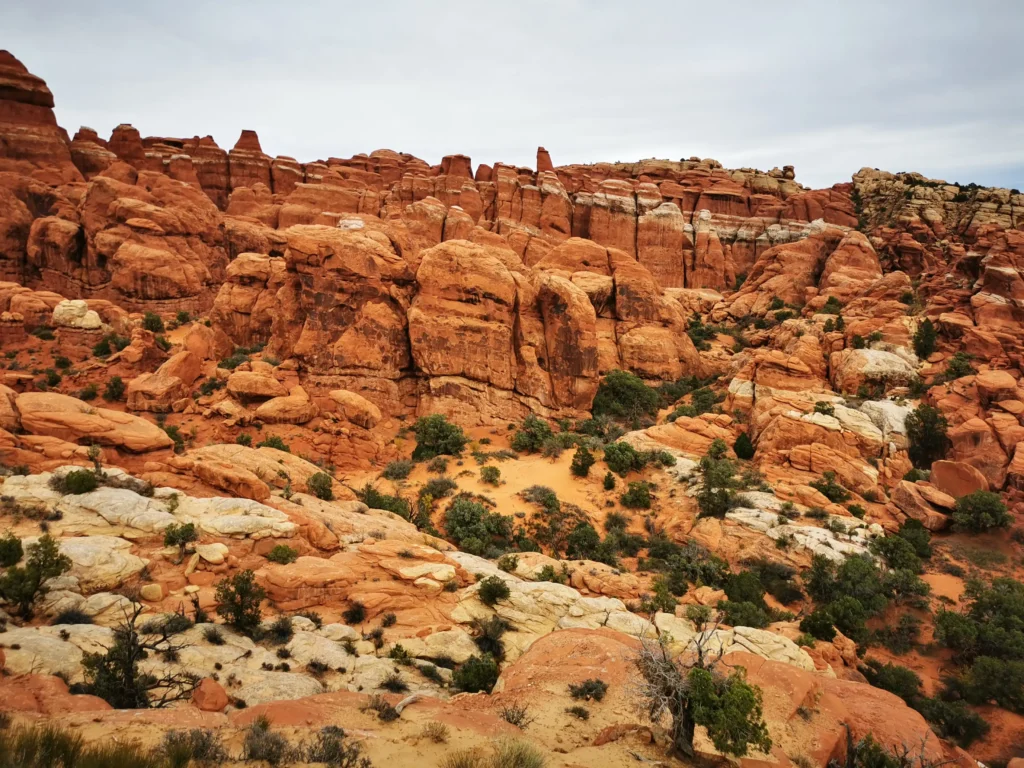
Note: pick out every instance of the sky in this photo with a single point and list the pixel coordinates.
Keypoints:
(826, 86)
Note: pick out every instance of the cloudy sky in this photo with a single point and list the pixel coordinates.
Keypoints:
(827, 86)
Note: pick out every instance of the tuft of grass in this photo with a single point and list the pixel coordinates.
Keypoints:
(393, 683)
(263, 744)
(398, 470)
(436, 732)
(516, 714)
(196, 747)
(213, 636)
(49, 746)
(513, 753)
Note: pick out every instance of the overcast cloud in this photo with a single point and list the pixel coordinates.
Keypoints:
(829, 87)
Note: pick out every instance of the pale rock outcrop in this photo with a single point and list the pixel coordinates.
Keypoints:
(76, 314)
(852, 368)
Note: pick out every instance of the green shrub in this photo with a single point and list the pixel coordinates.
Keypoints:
(23, 585)
(830, 489)
(743, 447)
(745, 587)
(355, 613)
(239, 599)
(11, 550)
(925, 338)
(114, 390)
(75, 482)
(109, 344)
(958, 366)
(904, 682)
(824, 407)
(702, 400)
(926, 433)
(235, 360)
(210, 386)
(717, 481)
(244, 438)
(493, 589)
(980, 511)
(282, 554)
(624, 395)
(901, 638)
(622, 458)
(832, 306)
(438, 487)
(744, 614)
(699, 333)
(548, 573)
(438, 465)
(818, 624)
(477, 674)
(609, 481)
(918, 536)
(850, 617)
(473, 527)
(638, 496)
(274, 441)
(374, 499)
(999, 680)
(152, 322)
(582, 461)
(398, 470)
(583, 542)
(180, 535)
(898, 553)
(592, 689)
(321, 485)
(436, 436)
(490, 475)
(954, 720)
(531, 435)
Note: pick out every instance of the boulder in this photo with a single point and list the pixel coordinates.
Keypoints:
(295, 408)
(909, 499)
(76, 314)
(255, 386)
(994, 386)
(70, 419)
(957, 478)
(356, 408)
(209, 696)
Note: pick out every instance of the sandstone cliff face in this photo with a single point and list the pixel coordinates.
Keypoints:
(545, 279)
